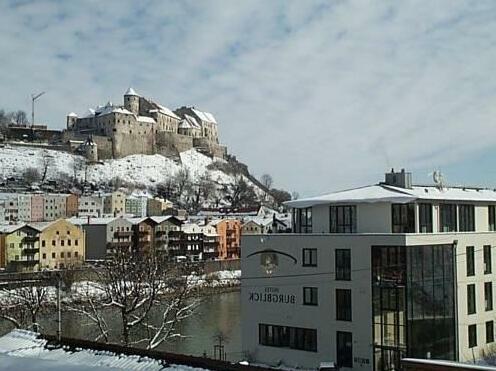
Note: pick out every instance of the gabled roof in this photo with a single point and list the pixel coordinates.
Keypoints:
(9, 228)
(146, 119)
(41, 226)
(91, 221)
(161, 219)
(164, 110)
(204, 116)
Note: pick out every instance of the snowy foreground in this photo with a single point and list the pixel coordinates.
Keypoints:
(21, 350)
(146, 170)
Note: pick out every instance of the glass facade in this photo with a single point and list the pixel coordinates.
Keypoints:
(342, 219)
(413, 295)
(403, 218)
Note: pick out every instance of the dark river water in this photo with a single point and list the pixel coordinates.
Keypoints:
(218, 313)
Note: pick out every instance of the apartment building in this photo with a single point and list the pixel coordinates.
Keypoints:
(62, 244)
(19, 248)
(114, 203)
(72, 205)
(143, 234)
(157, 206)
(372, 275)
(9, 208)
(55, 206)
(37, 207)
(90, 206)
(229, 231)
(165, 225)
(104, 236)
(24, 207)
(136, 205)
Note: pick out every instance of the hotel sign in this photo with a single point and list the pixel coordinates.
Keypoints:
(271, 295)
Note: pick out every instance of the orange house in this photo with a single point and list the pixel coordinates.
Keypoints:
(72, 204)
(229, 231)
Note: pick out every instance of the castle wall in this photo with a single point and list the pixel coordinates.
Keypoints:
(171, 144)
(206, 146)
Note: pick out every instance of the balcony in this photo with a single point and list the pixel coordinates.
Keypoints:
(118, 244)
(30, 239)
(30, 250)
(121, 234)
(143, 233)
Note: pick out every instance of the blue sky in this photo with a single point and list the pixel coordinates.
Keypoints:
(322, 95)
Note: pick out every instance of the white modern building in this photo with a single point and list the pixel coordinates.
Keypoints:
(372, 275)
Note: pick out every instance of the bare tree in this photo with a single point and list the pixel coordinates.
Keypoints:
(295, 195)
(22, 306)
(149, 297)
(46, 162)
(182, 180)
(20, 117)
(266, 181)
(240, 193)
(31, 175)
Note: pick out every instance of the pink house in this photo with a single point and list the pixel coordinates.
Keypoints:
(37, 204)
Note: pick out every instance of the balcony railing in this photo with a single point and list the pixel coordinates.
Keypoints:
(30, 239)
(120, 234)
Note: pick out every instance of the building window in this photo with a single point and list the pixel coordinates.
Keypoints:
(76, 242)
(43, 243)
(53, 242)
(342, 219)
(343, 264)
(68, 254)
(470, 261)
(310, 296)
(304, 220)
(472, 336)
(466, 215)
(492, 217)
(487, 259)
(447, 218)
(489, 332)
(344, 349)
(403, 218)
(44, 256)
(488, 295)
(471, 309)
(68, 242)
(309, 257)
(425, 218)
(62, 242)
(53, 255)
(287, 337)
(343, 305)
(76, 254)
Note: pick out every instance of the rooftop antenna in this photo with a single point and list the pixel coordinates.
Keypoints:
(438, 179)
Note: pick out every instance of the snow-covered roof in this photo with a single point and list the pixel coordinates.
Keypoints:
(131, 91)
(368, 194)
(448, 364)
(146, 119)
(204, 116)
(9, 228)
(100, 111)
(160, 219)
(72, 114)
(83, 221)
(164, 110)
(41, 226)
(386, 193)
(23, 350)
(261, 221)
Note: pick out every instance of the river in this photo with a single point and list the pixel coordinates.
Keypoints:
(218, 313)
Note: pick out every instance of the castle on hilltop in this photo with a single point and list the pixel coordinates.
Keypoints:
(142, 126)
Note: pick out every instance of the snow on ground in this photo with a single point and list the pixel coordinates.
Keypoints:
(215, 279)
(147, 170)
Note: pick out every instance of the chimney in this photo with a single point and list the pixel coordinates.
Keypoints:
(400, 179)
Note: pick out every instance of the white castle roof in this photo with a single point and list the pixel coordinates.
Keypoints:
(204, 116)
(189, 123)
(131, 91)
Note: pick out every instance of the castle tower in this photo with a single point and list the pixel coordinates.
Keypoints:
(91, 150)
(71, 120)
(131, 101)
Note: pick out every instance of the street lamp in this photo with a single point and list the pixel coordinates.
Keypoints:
(33, 98)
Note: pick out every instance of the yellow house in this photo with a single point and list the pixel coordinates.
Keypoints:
(19, 248)
(62, 244)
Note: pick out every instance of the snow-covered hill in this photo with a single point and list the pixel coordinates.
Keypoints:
(143, 170)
